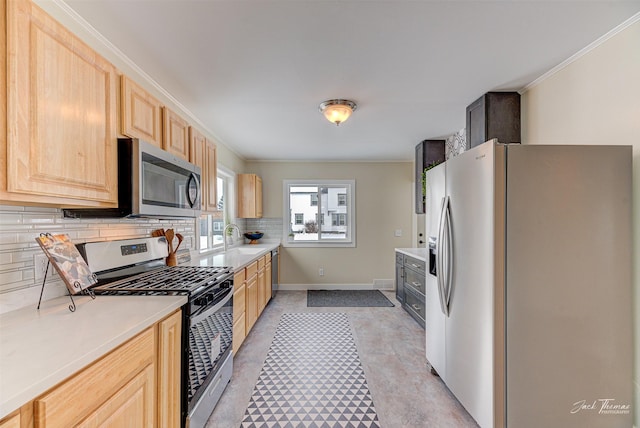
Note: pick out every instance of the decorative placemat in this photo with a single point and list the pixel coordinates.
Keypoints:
(312, 377)
(347, 298)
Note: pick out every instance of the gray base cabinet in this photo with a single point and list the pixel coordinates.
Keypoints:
(410, 286)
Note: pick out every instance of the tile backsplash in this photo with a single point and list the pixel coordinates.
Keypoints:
(19, 226)
(271, 227)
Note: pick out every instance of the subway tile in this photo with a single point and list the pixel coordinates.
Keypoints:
(37, 219)
(35, 209)
(11, 208)
(9, 277)
(10, 218)
(6, 258)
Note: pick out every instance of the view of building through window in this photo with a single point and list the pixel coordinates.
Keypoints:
(212, 226)
(319, 212)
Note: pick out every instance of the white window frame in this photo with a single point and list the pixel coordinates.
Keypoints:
(229, 210)
(349, 241)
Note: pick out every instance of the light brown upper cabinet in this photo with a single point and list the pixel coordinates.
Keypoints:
(249, 196)
(141, 113)
(175, 134)
(61, 116)
(203, 154)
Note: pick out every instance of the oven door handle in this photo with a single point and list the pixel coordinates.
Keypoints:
(208, 310)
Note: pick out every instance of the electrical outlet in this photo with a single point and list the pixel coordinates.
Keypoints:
(321, 271)
(40, 265)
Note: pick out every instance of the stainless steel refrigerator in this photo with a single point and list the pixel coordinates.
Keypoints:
(528, 294)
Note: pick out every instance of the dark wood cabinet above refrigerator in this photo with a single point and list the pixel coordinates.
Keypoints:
(494, 115)
(428, 152)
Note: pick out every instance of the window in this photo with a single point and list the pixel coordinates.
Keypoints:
(315, 201)
(338, 219)
(212, 225)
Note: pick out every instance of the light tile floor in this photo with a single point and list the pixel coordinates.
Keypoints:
(391, 349)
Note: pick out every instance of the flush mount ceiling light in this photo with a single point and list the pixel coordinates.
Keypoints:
(337, 111)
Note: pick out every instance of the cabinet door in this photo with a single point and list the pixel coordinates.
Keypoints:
(239, 334)
(249, 196)
(203, 153)
(197, 156)
(129, 407)
(119, 387)
(175, 134)
(169, 375)
(239, 310)
(61, 104)
(252, 302)
(267, 274)
(210, 193)
(141, 113)
(258, 197)
(262, 284)
(11, 421)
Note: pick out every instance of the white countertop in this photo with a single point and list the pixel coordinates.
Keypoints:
(236, 257)
(41, 348)
(418, 253)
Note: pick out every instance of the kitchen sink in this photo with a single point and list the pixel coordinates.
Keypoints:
(248, 250)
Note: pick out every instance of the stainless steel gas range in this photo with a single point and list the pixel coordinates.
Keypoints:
(137, 267)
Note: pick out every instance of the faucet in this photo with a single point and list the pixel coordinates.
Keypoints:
(224, 233)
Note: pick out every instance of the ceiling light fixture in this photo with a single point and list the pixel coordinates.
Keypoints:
(337, 111)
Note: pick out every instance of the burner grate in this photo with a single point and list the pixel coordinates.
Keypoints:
(180, 279)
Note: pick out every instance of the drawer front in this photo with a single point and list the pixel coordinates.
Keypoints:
(415, 305)
(261, 262)
(238, 278)
(414, 280)
(252, 270)
(121, 371)
(416, 264)
(239, 332)
(399, 258)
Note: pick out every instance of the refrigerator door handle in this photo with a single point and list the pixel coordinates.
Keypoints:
(449, 260)
(439, 258)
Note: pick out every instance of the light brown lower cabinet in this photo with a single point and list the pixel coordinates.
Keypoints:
(252, 302)
(135, 385)
(252, 293)
(239, 308)
(262, 285)
(11, 421)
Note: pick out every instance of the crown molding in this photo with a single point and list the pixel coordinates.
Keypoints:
(623, 26)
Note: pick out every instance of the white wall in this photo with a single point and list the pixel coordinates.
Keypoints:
(383, 204)
(596, 100)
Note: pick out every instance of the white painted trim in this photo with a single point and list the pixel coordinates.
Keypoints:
(629, 22)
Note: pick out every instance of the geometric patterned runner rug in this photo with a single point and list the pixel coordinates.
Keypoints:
(312, 377)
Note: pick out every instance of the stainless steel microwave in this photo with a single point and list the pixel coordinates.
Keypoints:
(151, 183)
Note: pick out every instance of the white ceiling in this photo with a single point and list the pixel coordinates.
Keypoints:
(254, 71)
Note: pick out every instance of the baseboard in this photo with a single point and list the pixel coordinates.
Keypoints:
(304, 287)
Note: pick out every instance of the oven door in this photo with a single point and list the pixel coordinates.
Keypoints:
(210, 357)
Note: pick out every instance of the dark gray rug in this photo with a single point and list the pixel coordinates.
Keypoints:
(312, 377)
(346, 298)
